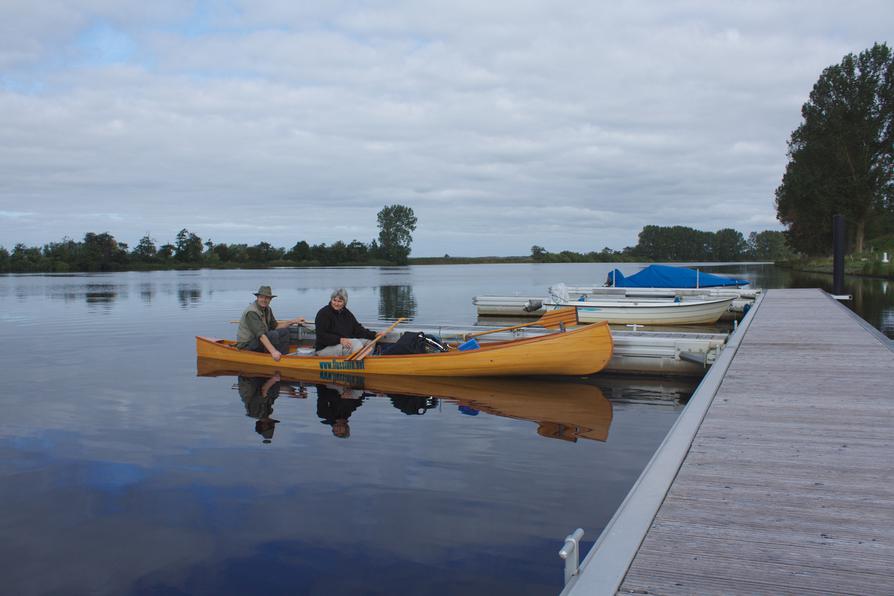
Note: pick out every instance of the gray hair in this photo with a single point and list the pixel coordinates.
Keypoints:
(340, 293)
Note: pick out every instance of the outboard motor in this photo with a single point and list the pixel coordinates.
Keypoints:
(533, 305)
(559, 293)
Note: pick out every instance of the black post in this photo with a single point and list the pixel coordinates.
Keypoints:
(838, 244)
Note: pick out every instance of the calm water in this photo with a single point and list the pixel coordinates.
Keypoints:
(124, 472)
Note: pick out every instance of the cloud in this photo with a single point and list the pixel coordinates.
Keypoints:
(502, 125)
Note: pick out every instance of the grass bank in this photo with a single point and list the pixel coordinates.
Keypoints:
(860, 266)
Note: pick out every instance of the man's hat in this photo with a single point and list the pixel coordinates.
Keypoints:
(265, 291)
(265, 428)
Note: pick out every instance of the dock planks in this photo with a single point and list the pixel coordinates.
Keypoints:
(788, 486)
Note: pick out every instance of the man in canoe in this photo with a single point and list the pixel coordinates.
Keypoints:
(337, 330)
(259, 331)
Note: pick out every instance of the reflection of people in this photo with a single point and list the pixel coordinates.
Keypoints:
(335, 404)
(413, 404)
(258, 395)
(259, 330)
(337, 330)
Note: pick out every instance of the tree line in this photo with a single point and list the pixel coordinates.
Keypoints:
(680, 243)
(102, 252)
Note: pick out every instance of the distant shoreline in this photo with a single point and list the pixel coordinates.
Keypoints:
(489, 260)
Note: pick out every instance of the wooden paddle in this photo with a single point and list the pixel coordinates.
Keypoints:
(553, 319)
(365, 350)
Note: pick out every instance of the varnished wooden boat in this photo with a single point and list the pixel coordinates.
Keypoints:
(565, 410)
(581, 351)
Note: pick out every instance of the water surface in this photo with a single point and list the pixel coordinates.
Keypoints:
(122, 471)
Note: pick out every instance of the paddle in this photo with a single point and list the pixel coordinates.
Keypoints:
(365, 350)
(553, 319)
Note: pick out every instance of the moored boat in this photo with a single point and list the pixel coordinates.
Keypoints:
(581, 351)
(620, 311)
(667, 276)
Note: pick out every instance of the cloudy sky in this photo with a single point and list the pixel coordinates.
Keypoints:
(502, 123)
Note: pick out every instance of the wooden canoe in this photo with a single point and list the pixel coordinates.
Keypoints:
(582, 351)
(566, 410)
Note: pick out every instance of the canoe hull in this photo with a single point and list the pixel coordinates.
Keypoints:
(581, 351)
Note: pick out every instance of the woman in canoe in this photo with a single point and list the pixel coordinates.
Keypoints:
(337, 330)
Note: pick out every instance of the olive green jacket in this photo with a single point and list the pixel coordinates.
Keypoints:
(254, 323)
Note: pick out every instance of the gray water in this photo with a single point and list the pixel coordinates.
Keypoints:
(124, 472)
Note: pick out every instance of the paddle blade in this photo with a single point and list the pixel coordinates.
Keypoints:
(561, 316)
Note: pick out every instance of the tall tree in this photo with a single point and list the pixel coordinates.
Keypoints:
(768, 245)
(841, 156)
(396, 226)
(188, 248)
(728, 245)
(101, 252)
(299, 252)
(145, 250)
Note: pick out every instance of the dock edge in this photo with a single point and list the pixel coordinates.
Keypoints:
(606, 565)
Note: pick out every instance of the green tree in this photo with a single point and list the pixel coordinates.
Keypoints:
(188, 247)
(728, 245)
(166, 252)
(675, 243)
(63, 256)
(396, 226)
(299, 252)
(357, 252)
(4, 259)
(145, 250)
(24, 259)
(538, 253)
(840, 157)
(321, 254)
(768, 246)
(264, 252)
(101, 252)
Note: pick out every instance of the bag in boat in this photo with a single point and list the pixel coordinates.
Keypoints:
(413, 342)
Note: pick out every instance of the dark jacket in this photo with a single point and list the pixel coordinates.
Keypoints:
(332, 325)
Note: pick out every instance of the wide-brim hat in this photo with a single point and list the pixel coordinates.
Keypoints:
(265, 291)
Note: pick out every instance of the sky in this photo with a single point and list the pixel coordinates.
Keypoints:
(502, 124)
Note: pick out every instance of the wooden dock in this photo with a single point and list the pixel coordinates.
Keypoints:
(787, 484)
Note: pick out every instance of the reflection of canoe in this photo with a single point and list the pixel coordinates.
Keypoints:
(577, 352)
(562, 409)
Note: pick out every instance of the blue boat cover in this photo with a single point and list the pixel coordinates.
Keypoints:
(664, 276)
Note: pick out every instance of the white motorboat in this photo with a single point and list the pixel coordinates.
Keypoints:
(615, 310)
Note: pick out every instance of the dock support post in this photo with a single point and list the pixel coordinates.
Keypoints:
(838, 245)
(571, 553)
